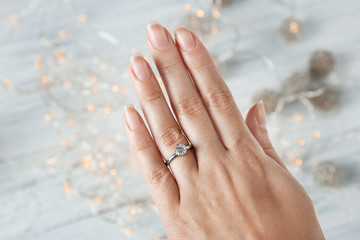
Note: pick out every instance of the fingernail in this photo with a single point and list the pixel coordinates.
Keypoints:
(157, 35)
(185, 38)
(131, 117)
(140, 67)
(260, 114)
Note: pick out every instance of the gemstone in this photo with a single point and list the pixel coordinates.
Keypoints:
(180, 149)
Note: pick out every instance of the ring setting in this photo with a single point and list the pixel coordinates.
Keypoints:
(180, 150)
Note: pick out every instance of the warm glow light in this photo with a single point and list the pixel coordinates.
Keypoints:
(200, 13)
(299, 162)
(64, 142)
(187, 7)
(214, 30)
(115, 88)
(293, 27)
(298, 117)
(62, 33)
(292, 157)
(216, 13)
(132, 160)
(50, 161)
(91, 108)
(6, 83)
(70, 122)
(302, 142)
(132, 211)
(38, 63)
(93, 78)
(128, 233)
(67, 188)
(119, 181)
(48, 117)
(45, 79)
(13, 20)
(81, 18)
(68, 84)
(107, 110)
(97, 200)
(113, 171)
(102, 164)
(94, 88)
(316, 134)
(61, 57)
(124, 90)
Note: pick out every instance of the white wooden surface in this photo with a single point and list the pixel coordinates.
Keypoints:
(32, 202)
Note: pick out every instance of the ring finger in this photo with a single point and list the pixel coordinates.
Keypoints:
(164, 128)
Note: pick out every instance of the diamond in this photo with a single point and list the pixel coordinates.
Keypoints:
(180, 149)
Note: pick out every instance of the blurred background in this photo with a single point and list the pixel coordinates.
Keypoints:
(65, 168)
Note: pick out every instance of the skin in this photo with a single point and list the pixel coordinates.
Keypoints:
(233, 185)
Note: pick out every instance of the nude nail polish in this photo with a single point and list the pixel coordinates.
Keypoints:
(140, 67)
(185, 38)
(157, 36)
(260, 114)
(131, 117)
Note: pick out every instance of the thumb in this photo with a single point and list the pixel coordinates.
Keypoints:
(256, 122)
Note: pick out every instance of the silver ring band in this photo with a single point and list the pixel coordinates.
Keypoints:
(180, 150)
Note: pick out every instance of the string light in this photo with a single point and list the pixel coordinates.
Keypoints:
(48, 117)
(216, 13)
(132, 211)
(200, 13)
(38, 64)
(62, 33)
(113, 172)
(316, 134)
(107, 110)
(81, 18)
(64, 142)
(91, 108)
(115, 88)
(45, 79)
(128, 233)
(187, 7)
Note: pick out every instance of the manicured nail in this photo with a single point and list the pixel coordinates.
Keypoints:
(260, 114)
(131, 117)
(157, 35)
(140, 67)
(185, 38)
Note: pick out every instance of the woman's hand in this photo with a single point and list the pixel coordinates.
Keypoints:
(233, 185)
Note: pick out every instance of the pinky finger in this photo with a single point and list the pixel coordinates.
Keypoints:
(157, 176)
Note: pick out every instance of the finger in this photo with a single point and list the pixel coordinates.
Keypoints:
(256, 122)
(164, 128)
(216, 95)
(158, 178)
(185, 100)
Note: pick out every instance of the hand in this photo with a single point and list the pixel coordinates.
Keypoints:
(234, 185)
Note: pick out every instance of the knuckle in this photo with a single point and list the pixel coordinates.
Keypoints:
(152, 98)
(171, 136)
(156, 177)
(171, 65)
(138, 149)
(190, 106)
(203, 64)
(220, 100)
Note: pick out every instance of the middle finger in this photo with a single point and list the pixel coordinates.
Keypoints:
(184, 98)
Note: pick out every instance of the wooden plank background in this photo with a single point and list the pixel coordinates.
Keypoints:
(33, 204)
